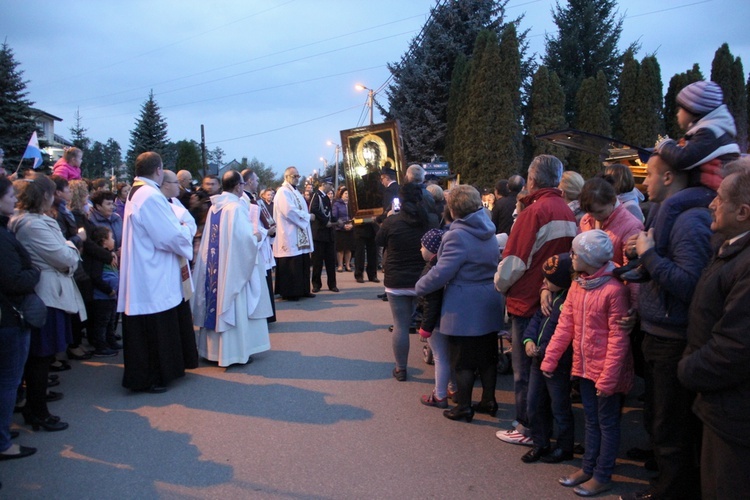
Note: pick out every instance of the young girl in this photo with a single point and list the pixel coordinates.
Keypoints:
(601, 356)
(102, 309)
(549, 397)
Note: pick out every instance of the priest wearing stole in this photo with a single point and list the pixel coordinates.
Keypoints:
(231, 301)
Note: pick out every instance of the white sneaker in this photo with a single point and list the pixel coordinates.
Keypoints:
(514, 437)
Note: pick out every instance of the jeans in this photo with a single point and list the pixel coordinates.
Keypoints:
(440, 353)
(549, 400)
(521, 368)
(402, 308)
(602, 422)
(14, 349)
(102, 323)
(675, 430)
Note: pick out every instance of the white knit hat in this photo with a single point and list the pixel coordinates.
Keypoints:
(593, 247)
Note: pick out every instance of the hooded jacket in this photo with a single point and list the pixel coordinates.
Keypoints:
(65, 170)
(619, 226)
(601, 347)
(466, 262)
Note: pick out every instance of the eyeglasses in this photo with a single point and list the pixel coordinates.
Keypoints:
(171, 182)
(295, 176)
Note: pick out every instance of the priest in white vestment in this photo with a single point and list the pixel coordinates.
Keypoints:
(231, 301)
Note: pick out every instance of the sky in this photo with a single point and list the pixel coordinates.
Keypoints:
(275, 79)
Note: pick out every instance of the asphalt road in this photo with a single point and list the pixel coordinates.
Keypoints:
(319, 417)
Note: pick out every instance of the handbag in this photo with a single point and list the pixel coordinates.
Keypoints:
(32, 311)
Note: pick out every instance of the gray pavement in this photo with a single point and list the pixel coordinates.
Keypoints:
(319, 416)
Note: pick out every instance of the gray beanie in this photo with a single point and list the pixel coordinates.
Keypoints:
(593, 247)
(700, 98)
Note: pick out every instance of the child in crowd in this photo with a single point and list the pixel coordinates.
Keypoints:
(601, 356)
(102, 311)
(549, 397)
(430, 306)
(708, 144)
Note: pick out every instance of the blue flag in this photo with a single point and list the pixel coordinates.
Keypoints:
(33, 151)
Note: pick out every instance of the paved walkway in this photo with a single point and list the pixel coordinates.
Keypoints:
(319, 416)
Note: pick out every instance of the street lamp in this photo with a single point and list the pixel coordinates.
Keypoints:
(370, 98)
(336, 153)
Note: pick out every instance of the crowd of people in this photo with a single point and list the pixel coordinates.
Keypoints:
(596, 287)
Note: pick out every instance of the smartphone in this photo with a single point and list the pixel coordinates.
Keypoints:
(396, 205)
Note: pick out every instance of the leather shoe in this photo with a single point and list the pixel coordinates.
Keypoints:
(374, 280)
(53, 396)
(488, 407)
(308, 296)
(23, 451)
(557, 456)
(383, 296)
(591, 488)
(316, 289)
(575, 479)
(360, 280)
(534, 454)
(156, 389)
(640, 495)
(333, 289)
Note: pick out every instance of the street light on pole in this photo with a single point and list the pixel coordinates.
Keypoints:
(336, 156)
(370, 98)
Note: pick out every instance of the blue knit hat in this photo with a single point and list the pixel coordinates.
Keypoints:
(700, 98)
(593, 247)
(431, 240)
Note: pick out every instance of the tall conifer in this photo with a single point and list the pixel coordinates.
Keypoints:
(592, 115)
(149, 134)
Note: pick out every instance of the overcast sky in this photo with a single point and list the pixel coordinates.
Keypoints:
(274, 79)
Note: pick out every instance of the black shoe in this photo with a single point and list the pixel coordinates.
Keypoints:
(534, 454)
(114, 345)
(53, 396)
(639, 454)
(156, 389)
(399, 375)
(333, 289)
(72, 355)
(459, 413)
(24, 451)
(290, 299)
(59, 365)
(557, 456)
(488, 407)
(49, 424)
(383, 296)
(315, 289)
(578, 449)
(374, 280)
(640, 495)
(52, 382)
(360, 280)
(105, 352)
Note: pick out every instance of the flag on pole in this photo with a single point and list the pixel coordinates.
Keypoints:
(33, 151)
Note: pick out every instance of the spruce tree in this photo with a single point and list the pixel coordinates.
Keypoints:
(677, 83)
(78, 135)
(418, 95)
(726, 70)
(455, 119)
(16, 117)
(628, 106)
(546, 112)
(149, 134)
(586, 43)
(112, 157)
(650, 97)
(592, 115)
(93, 165)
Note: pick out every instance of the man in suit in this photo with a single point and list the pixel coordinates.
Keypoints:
(323, 236)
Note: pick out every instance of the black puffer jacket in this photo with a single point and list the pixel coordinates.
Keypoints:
(18, 276)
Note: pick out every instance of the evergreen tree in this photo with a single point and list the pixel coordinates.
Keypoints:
(188, 157)
(78, 134)
(546, 112)
(639, 110)
(726, 70)
(149, 134)
(266, 175)
(455, 122)
(93, 165)
(592, 115)
(418, 95)
(113, 157)
(677, 83)
(215, 155)
(16, 121)
(586, 43)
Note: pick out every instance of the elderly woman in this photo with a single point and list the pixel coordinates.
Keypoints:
(471, 314)
(571, 184)
(400, 237)
(18, 279)
(57, 259)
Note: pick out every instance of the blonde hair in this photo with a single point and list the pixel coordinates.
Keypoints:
(571, 184)
(79, 192)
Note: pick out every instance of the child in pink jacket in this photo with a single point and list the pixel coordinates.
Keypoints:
(601, 356)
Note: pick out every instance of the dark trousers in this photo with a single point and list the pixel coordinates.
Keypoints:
(521, 368)
(549, 401)
(675, 430)
(35, 374)
(470, 355)
(102, 323)
(364, 244)
(325, 252)
(602, 418)
(724, 468)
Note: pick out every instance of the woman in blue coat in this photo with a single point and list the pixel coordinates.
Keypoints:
(472, 311)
